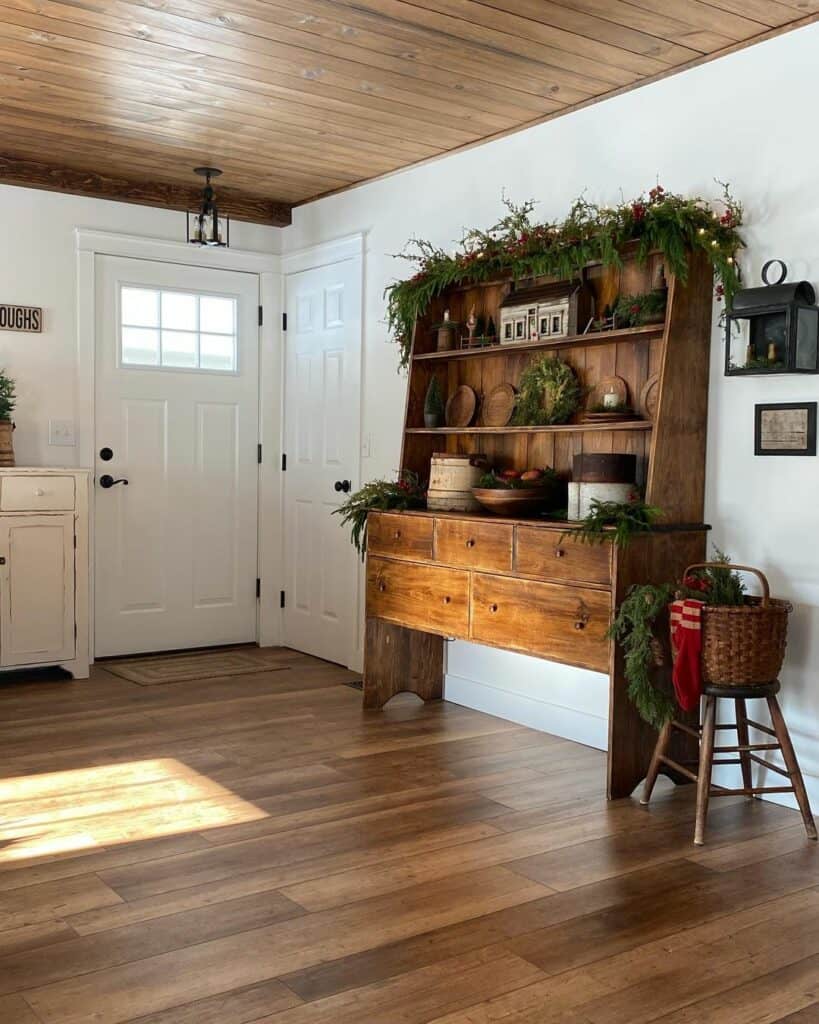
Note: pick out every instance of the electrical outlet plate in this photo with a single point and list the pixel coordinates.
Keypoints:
(61, 433)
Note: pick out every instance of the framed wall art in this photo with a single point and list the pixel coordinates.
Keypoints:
(785, 428)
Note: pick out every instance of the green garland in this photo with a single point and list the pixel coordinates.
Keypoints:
(615, 521)
(519, 248)
(379, 495)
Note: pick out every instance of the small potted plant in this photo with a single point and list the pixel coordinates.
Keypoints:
(433, 405)
(8, 399)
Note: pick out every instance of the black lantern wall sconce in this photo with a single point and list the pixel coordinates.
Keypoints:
(773, 329)
(206, 226)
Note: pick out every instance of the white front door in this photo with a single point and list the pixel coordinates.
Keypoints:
(177, 416)
(322, 441)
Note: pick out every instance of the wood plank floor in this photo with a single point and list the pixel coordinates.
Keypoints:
(258, 850)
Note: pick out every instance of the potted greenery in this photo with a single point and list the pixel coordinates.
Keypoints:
(8, 399)
(433, 405)
(379, 496)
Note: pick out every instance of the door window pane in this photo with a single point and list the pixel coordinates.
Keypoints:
(179, 330)
(217, 352)
(140, 307)
(140, 346)
(179, 348)
(179, 311)
(217, 314)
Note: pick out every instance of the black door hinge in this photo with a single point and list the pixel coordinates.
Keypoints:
(281, 599)
(258, 587)
(284, 321)
(261, 316)
(259, 454)
(284, 462)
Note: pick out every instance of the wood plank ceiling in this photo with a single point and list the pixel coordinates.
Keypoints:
(297, 98)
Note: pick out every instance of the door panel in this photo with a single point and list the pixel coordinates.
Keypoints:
(177, 401)
(322, 433)
(37, 614)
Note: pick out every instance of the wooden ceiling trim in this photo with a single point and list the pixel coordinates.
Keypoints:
(63, 179)
(294, 99)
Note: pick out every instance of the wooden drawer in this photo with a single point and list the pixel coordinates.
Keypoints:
(557, 557)
(36, 493)
(399, 536)
(426, 597)
(474, 544)
(562, 623)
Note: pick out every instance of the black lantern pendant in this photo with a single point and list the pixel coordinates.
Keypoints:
(773, 329)
(207, 226)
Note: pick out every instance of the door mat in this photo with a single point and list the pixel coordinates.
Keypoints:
(180, 668)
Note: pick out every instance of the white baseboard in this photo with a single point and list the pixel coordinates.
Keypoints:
(570, 723)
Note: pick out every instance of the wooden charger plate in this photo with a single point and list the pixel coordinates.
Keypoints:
(650, 397)
(498, 406)
(460, 408)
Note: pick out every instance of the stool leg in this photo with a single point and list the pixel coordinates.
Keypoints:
(789, 754)
(744, 740)
(706, 766)
(654, 768)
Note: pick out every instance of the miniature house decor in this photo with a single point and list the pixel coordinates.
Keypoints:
(773, 329)
(550, 311)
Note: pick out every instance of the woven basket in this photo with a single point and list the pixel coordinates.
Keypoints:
(743, 645)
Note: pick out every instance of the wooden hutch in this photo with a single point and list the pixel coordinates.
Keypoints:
(522, 584)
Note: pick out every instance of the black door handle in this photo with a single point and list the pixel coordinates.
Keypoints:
(343, 485)
(106, 481)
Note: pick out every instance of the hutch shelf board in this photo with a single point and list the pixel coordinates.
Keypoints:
(523, 584)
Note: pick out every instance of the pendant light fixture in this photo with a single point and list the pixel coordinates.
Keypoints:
(206, 226)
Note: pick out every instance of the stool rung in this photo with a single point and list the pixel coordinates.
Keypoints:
(728, 760)
(679, 768)
(685, 728)
(761, 728)
(751, 790)
(742, 747)
(769, 764)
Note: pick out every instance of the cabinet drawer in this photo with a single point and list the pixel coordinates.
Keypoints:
(546, 553)
(474, 544)
(563, 623)
(424, 597)
(36, 493)
(399, 536)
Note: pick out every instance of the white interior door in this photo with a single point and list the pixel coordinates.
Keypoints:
(322, 436)
(177, 416)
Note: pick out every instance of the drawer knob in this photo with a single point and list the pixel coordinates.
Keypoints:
(39, 492)
(559, 553)
(582, 615)
(471, 542)
(493, 608)
(397, 535)
(447, 599)
(382, 586)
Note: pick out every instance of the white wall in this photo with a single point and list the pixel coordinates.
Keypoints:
(38, 268)
(742, 119)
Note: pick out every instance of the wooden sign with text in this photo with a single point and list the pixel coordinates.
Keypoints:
(21, 318)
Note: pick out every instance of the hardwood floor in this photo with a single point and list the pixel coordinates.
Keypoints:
(259, 850)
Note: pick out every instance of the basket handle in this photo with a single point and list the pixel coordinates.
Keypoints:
(766, 590)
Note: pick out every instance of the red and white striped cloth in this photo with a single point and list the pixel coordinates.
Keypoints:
(686, 643)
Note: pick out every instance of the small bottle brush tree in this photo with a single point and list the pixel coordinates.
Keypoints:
(433, 405)
(8, 396)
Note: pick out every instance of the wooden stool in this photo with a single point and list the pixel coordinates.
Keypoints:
(744, 748)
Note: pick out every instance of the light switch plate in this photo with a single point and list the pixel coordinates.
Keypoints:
(61, 433)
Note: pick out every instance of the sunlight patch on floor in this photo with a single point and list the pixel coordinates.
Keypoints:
(66, 812)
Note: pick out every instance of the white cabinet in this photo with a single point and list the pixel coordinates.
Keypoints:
(44, 569)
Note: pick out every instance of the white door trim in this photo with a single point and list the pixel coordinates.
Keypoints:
(89, 244)
(349, 247)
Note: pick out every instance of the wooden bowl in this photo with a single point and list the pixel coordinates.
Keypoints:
(513, 501)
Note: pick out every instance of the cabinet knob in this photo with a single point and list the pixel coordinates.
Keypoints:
(382, 586)
(397, 535)
(493, 608)
(582, 615)
(559, 553)
(39, 492)
(471, 542)
(2, 560)
(447, 599)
